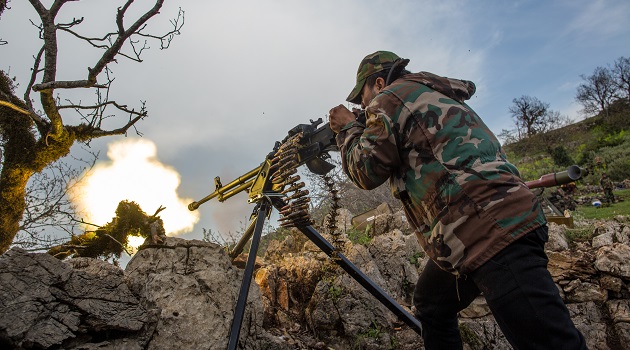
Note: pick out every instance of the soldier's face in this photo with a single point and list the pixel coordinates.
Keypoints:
(369, 92)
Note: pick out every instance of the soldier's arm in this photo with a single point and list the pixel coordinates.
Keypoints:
(369, 153)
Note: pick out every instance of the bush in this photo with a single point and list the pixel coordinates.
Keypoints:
(561, 157)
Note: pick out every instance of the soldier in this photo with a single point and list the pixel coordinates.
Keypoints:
(607, 186)
(473, 215)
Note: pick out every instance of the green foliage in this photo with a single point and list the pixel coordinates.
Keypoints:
(334, 292)
(416, 258)
(561, 157)
(613, 139)
(110, 240)
(598, 138)
(360, 236)
(533, 168)
(394, 343)
(373, 332)
(329, 276)
(471, 338)
(582, 233)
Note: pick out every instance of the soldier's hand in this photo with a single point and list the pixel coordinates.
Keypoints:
(340, 116)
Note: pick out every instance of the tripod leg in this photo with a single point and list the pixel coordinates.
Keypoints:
(360, 277)
(247, 235)
(239, 311)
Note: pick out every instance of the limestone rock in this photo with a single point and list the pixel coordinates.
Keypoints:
(614, 260)
(44, 302)
(557, 238)
(588, 318)
(192, 288)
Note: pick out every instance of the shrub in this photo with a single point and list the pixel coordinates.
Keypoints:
(561, 157)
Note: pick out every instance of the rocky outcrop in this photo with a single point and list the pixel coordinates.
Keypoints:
(592, 277)
(47, 303)
(182, 295)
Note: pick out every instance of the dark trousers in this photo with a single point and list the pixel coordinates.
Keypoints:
(518, 289)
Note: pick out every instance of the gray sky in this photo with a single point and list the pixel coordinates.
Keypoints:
(244, 72)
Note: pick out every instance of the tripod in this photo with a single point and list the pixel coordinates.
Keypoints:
(258, 217)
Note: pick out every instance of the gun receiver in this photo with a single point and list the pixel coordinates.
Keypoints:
(311, 144)
(315, 145)
(572, 173)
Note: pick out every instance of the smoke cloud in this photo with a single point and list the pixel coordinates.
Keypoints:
(133, 173)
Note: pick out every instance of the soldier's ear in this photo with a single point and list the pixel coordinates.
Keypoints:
(379, 83)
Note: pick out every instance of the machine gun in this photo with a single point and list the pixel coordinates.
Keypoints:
(274, 184)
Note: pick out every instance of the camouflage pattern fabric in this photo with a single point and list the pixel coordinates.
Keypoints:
(465, 201)
(607, 186)
(373, 63)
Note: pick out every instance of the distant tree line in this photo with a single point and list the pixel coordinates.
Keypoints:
(596, 94)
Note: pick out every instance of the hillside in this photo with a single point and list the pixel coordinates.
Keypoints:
(600, 143)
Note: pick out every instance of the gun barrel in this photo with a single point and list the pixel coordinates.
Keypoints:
(572, 173)
(241, 183)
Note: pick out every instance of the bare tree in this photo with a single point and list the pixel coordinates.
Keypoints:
(508, 136)
(530, 115)
(34, 137)
(49, 211)
(621, 76)
(3, 6)
(555, 120)
(597, 92)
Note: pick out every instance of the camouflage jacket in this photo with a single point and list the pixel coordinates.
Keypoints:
(463, 198)
(606, 183)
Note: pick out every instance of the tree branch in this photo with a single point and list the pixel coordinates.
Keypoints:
(110, 53)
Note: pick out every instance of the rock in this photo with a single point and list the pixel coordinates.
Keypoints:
(478, 308)
(589, 320)
(557, 238)
(45, 303)
(578, 292)
(340, 306)
(569, 265)
(614, 260)
(287, 287)
(192, 288)
(603, 240)
(623, 236)
(482, 333)
(611, 283)
(182, 295)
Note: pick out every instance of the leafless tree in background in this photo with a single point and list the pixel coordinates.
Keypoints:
(597, 91)
(621, 76)
(48, 210)
(33, 136)
(529, 114)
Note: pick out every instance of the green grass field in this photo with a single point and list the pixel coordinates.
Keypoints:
(607, 211)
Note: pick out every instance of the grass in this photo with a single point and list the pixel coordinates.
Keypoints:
(606, 211)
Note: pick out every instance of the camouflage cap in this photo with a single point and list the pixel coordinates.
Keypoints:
(373, 63)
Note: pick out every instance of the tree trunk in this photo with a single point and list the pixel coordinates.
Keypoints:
(12, 193)
(24, 155)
